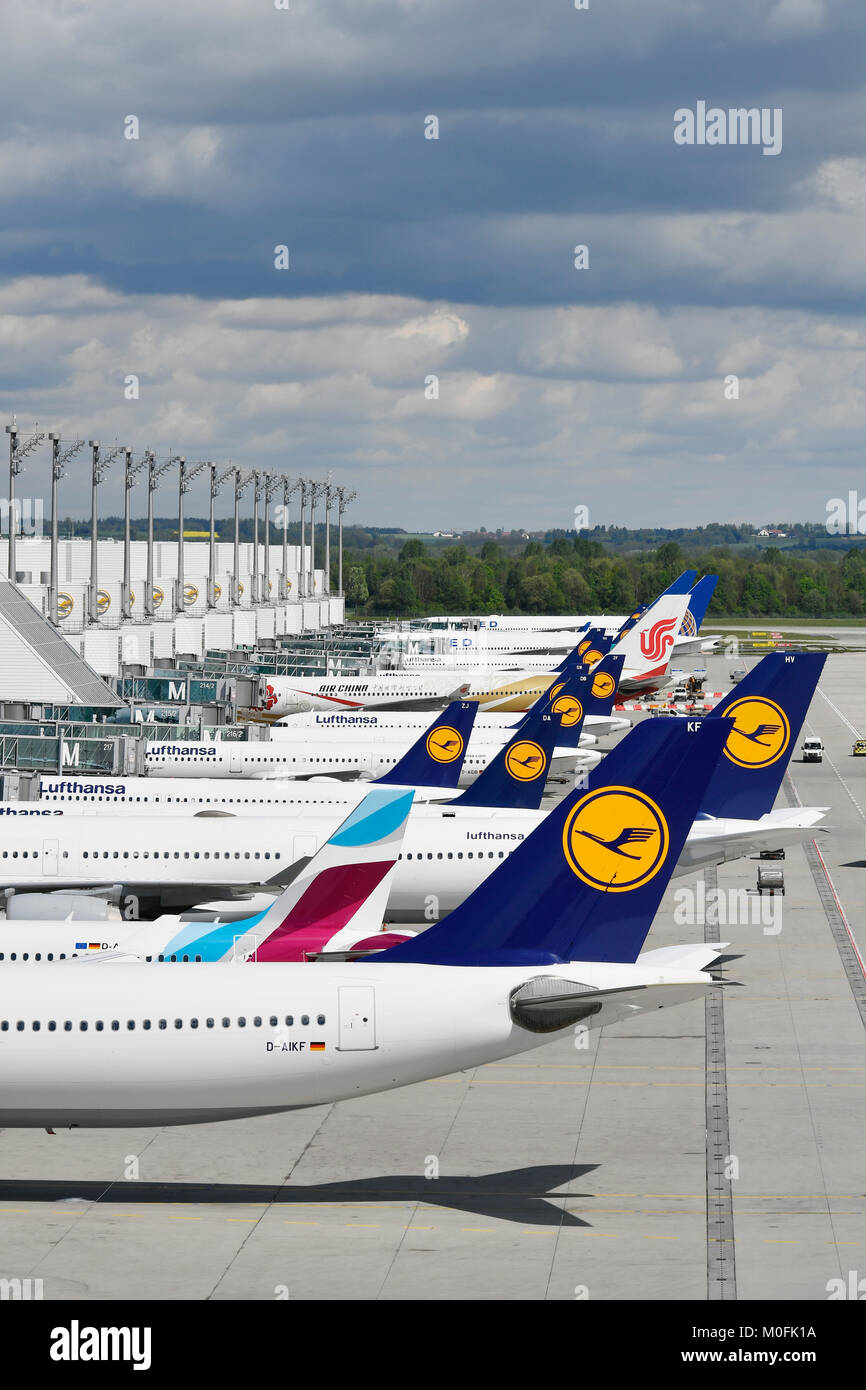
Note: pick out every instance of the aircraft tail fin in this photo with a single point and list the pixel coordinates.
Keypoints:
(344, 886)
(436, 758)
(699, 602)
(586, 884)
(767, 708)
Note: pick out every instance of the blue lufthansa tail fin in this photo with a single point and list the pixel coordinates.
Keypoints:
(436, 760)
(589, 692)
(593, 645)
(516, 775)
(586, 884)
(767, 709)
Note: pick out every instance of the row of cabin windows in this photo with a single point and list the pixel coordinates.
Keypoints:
(237, 854)
(153, 854)
(273, 758)
(146, 1023)
(73, 955)
(175, 854)
(458, 854)
(202, 800)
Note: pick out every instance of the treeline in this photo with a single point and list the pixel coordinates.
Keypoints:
(577, 575)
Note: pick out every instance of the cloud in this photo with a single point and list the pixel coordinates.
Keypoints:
(538, 409)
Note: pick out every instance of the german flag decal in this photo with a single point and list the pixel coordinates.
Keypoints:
(317, 1047)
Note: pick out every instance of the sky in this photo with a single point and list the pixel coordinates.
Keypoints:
(431, 342)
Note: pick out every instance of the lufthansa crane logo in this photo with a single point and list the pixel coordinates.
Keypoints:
(615, 839)
(525, 761)
(569, 709)
(761, 732)
(582, 648)
(556, 689)
(444, 744)
(592, 656)
(603, 685)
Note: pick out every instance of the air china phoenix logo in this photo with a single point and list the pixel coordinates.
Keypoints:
(655, 643)
(525, 761)
(569, 709)
(270, 697)
(761, 732)
(444, 744)
(615, 839)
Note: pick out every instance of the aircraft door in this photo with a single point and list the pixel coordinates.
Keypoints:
(235, 768)
(49, 856)
(304, 847)
(357, 1018)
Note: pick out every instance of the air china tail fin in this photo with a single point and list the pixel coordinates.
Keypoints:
(647, 647)
(586, 884)
(436, 759)
(767, 708)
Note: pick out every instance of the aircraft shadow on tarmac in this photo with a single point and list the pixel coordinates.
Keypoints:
(526, 1195)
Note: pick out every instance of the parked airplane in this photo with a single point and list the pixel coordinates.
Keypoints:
(182, 860)
(552, 941)
(346, 754)
(279, 695)
(336, 903)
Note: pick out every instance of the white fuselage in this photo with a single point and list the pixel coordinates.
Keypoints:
(130, 1045)
(486, 726)
(446, 852)
(325, 755)
(280, 695)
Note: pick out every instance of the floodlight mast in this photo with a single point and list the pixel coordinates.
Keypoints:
(130, 473)
(59, 457)
(273, 482)
(289, 490)
(17, 452)
(100, 464)
(185, 476)
(344, 497)
(153, 476)
(241, 481)
(316, 491)
(215, 485)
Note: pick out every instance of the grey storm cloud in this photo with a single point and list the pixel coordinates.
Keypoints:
(305, 127)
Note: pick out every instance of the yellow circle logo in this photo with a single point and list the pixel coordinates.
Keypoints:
(65, 605)
(525, 761)
(592, 657)
(615, 839)
(103, 601)
(569, 709)
(444, 744)
(603, 685)
(556, 689)
(190, 593)
(582, 648)
(761, 732)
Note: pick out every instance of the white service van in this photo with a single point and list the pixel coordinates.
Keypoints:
(812, 750)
